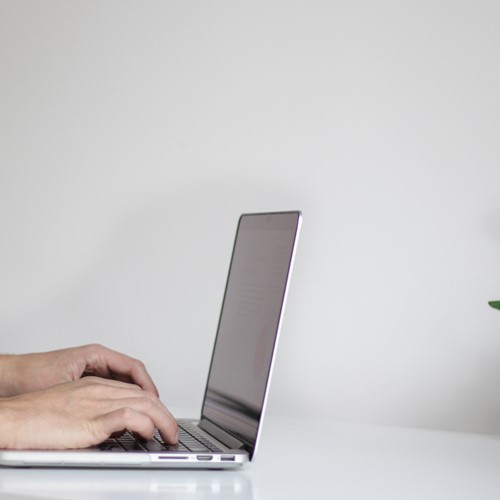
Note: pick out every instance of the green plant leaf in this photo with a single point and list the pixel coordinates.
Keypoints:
(495, 304)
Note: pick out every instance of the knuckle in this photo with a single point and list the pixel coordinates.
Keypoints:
(93, 388)
(138, 364)
(94, 347)
(126, 414)
(148, 401)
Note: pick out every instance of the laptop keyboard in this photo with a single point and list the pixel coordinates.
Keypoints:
(190, 439)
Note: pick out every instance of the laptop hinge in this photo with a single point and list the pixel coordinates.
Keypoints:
(221, 435)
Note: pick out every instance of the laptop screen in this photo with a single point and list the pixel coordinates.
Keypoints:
(249, 323)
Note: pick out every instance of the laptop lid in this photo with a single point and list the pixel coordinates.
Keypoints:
(249, 325)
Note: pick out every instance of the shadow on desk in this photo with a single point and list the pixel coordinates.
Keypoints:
(92, 484)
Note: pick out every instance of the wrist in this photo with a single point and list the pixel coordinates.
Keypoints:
(5, 423)
(7, 375)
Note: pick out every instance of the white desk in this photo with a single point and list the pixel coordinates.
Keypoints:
(348, 462)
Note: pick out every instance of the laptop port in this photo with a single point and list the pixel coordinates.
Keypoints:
(227, 458)
(205, 458)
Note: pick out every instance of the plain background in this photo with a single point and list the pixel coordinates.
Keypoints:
(133, 134)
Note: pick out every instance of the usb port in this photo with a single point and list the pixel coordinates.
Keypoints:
(205, 458)
(227, 458)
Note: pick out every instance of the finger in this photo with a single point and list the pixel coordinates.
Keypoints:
(124, 419)
(97, 391)
(106, 362)
(151, 406)
(92, 380)
(168, 428)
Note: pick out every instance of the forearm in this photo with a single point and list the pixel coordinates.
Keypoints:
(21, 373)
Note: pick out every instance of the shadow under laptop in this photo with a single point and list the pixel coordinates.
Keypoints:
(82, 484)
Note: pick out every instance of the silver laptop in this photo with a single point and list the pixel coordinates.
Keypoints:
(227, 432)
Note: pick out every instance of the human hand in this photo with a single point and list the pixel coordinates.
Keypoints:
(34, 372)
(81, 414)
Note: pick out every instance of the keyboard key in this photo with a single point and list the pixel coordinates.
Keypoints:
(110, 445)
(154, 446)
(175, 447)
(133, 445)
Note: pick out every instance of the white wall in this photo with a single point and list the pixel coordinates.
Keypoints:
(133, 134)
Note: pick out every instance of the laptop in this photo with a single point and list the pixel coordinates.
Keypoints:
(226, 434)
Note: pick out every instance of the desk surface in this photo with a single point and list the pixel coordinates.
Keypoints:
(348, 461)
